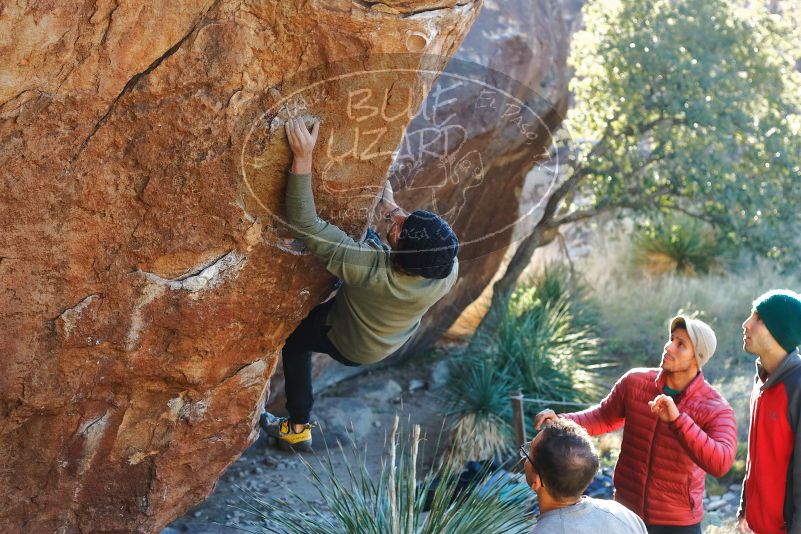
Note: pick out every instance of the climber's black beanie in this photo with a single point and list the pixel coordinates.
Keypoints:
(427, 246)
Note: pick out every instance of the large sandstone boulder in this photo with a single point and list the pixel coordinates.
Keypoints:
(148, 280)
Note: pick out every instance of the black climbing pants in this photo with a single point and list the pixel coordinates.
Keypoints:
(311, 335)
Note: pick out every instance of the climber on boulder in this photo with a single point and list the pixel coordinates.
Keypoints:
(385, 291)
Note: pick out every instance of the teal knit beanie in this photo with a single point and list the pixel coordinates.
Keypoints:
(780, 310)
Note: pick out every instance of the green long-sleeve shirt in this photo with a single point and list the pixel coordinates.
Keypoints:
(378, 308)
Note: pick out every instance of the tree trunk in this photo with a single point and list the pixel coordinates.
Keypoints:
(542, 235)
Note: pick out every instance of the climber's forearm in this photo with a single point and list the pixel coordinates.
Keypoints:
(387, 205)
(300, 209)
(350, 261)
(321, 237)
(302, 165)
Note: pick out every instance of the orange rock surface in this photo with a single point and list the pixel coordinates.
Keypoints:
(148, 281)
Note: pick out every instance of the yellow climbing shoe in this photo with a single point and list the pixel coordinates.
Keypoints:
(280, 430)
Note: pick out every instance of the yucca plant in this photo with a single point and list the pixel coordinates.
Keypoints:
(393, 501)
(555, 283)
(677, 244)
(544, 347)
(480, 412)
(545, 340)
(547, 355)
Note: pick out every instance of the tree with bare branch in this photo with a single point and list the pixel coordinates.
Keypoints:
(688, 106)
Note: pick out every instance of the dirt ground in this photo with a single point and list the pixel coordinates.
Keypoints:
(361, 409)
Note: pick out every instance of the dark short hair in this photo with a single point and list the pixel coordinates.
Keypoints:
(565, 459)
(679, 324)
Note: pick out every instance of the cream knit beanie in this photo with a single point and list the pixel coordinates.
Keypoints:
(701, 334)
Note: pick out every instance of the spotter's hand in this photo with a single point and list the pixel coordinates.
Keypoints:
(665, 408)
(742, 526)
(544, 417)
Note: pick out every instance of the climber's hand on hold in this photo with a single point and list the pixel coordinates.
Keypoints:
(301, 142)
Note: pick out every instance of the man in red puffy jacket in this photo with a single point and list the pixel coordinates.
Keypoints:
(676, 428)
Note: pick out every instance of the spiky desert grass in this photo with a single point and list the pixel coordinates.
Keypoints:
(392, 501)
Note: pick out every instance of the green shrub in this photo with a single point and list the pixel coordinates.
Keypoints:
(478, 395)
(737, 472)
(677, 244)
(545, 354)
(714, 486)
(544, 347)
(720, 486)
(556, 283)
(393, 502)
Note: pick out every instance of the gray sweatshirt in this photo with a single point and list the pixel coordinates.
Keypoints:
(590, 516)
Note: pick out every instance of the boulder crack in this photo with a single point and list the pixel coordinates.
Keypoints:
(204, 276)
(72, 312)
(381, 7)
(131, 84)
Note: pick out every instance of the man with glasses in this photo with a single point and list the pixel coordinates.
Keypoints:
(559, 466)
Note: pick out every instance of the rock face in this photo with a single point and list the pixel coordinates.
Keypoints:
(148, 280)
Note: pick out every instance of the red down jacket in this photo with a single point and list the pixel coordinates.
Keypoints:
(660, 471)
